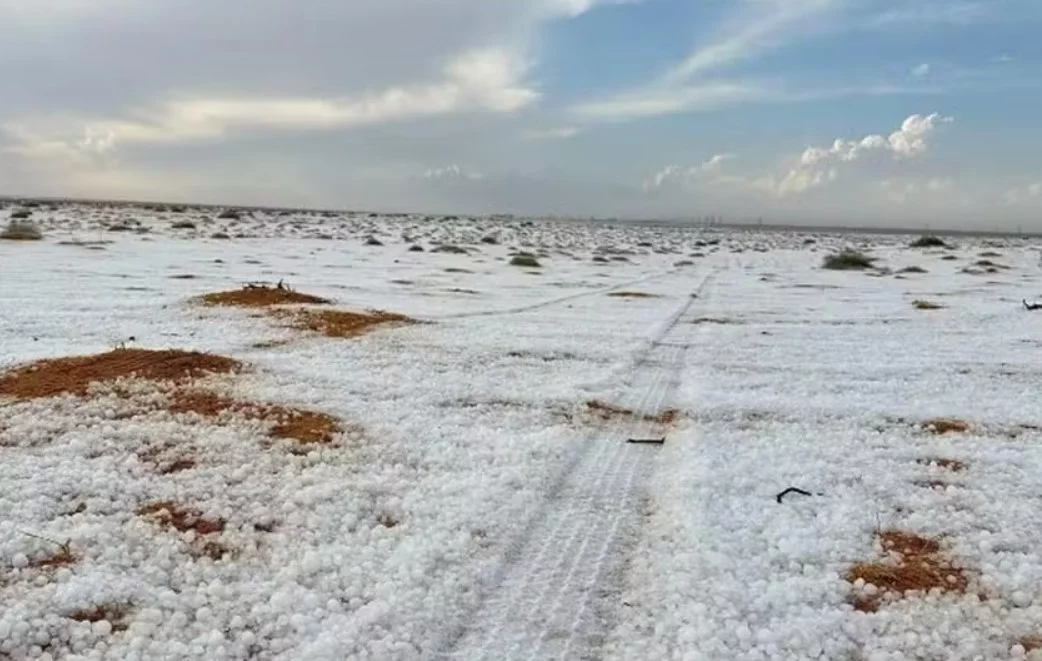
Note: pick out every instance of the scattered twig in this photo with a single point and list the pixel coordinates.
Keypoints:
(66, 547)
(1032, 306)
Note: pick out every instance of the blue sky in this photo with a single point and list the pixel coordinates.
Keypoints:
(888, 112)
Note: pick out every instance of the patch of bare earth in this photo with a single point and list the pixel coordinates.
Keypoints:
(114, 614)
(74, 375)
(606, 412)
(953, 465)
(182, 519)
(915, 565)
(305, 427)
(340, 323)
(261, 296)
(946, 426)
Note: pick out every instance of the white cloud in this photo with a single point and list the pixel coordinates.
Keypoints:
(908, 141)
(559, 133)
(901, 192)
(653, 102)
(760, 26)
(676, 174)
(1029, 193)
(921, 71)
(485, 80)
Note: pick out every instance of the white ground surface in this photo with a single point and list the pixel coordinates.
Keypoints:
(461, 434)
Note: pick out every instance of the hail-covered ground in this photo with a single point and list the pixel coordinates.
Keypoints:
(902, 403)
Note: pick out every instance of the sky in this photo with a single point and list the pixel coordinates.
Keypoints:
(870, 112)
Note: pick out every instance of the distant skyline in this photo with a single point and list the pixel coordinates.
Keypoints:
(837, 112)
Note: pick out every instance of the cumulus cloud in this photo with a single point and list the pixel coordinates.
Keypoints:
(818, 166)
(677, 174)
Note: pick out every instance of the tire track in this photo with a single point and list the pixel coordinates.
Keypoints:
(551, 598)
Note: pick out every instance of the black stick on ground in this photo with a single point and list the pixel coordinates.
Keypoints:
(1032, 306)
(792, 490)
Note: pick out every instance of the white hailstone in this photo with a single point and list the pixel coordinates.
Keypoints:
(870, 589)
(20, 561)
(247, 638)
(1021, 599)
(203, 614)
(102, 628)
(1018, 651)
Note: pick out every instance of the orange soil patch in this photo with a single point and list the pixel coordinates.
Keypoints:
(609, 412)
(946, 426)
(261, 296)
(306, 427)
(180, 518)
(632, 294)
(73, 375)
(953, 465)
(921, 567)
(340, 323)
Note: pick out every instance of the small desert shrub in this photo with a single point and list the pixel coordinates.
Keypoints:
(183, 225)
(928, 242)
(848, 260)
(21, 214)
(373, 241)
(525, 260)
(913, 269)
(21, 230)
(926, 305)
(229, 214)
(416, 248)
(451, 249)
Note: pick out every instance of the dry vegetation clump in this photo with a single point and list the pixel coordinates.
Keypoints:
(633, 294)
(920, 304)
(954, 465)
(946, 426)
(74, 375)
(920, 566)
(305, 427)
(607, 412)
(261, 296)
(182, 519)
(341, 323)
(928, 242)
(913, 269)
(848, 260)
(62, 558)
(719, 321)
(21, 230)
(525, 260)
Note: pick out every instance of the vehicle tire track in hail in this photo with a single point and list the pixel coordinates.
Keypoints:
(552, 596)
(528, 307)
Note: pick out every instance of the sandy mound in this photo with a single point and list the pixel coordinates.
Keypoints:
(306, 427)
(73, 375)
(340, 323)
(261, 296)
